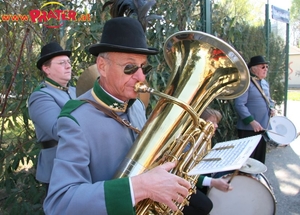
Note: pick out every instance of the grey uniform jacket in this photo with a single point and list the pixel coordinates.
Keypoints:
(91, 147)
(252, 106)
(44, 106)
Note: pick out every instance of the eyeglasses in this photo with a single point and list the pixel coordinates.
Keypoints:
(63, 62)
(263, 67)
(130, 69)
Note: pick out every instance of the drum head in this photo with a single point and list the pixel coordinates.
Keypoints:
(249, 196)
(284, 127)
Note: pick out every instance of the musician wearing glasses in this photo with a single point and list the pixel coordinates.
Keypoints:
(94, 142)
(46, 101)
(255, 106)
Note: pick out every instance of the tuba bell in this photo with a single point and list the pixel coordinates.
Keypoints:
(203, 68)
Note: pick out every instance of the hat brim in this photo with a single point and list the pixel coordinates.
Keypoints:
(43, 59)
(103, 47)
(257, 63)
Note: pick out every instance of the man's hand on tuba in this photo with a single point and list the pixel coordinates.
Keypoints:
(161, 186)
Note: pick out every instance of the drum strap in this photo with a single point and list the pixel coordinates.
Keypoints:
(253, 79)
(260, 90)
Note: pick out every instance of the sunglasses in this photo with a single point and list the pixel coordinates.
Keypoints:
(263, 67)
(130, 69)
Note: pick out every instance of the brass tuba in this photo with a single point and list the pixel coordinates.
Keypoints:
(203, 68)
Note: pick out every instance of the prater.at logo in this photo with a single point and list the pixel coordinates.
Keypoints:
(51, 15)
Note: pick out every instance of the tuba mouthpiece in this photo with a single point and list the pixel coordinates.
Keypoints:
(140, 87)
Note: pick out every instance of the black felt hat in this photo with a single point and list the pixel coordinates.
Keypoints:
(256, 60)
(123, 34)
(49, 51)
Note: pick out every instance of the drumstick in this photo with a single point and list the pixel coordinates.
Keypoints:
(234, 174)
(273, 132)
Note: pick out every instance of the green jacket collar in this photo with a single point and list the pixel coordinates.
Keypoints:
(56, 85)
(108, 101)
(254, 76)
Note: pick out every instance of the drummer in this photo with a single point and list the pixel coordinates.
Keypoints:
(200, 204)
(255, 106)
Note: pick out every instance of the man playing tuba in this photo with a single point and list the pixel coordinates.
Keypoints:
(92, 145)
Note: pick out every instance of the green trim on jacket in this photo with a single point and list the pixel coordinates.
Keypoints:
(200, 181)
(118, 202)
(248, 119)
(109, 100)
(69, 107)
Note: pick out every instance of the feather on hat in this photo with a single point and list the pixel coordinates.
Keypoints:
(133, 8)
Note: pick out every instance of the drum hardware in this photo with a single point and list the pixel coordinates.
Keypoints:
(253, 166)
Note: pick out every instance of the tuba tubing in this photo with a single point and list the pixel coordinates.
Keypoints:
(203, 68)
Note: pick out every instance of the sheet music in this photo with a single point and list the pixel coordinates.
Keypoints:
(231, 158)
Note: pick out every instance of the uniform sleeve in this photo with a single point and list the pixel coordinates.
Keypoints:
(72, 189)
(200, 181)
(242, 110)
(43, 111)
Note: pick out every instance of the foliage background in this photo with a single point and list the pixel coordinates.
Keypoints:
(295, 22)
(21, 41)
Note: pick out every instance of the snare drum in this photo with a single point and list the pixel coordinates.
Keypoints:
(283, 126)
(251, 194)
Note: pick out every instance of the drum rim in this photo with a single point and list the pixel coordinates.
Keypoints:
(270, 135)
